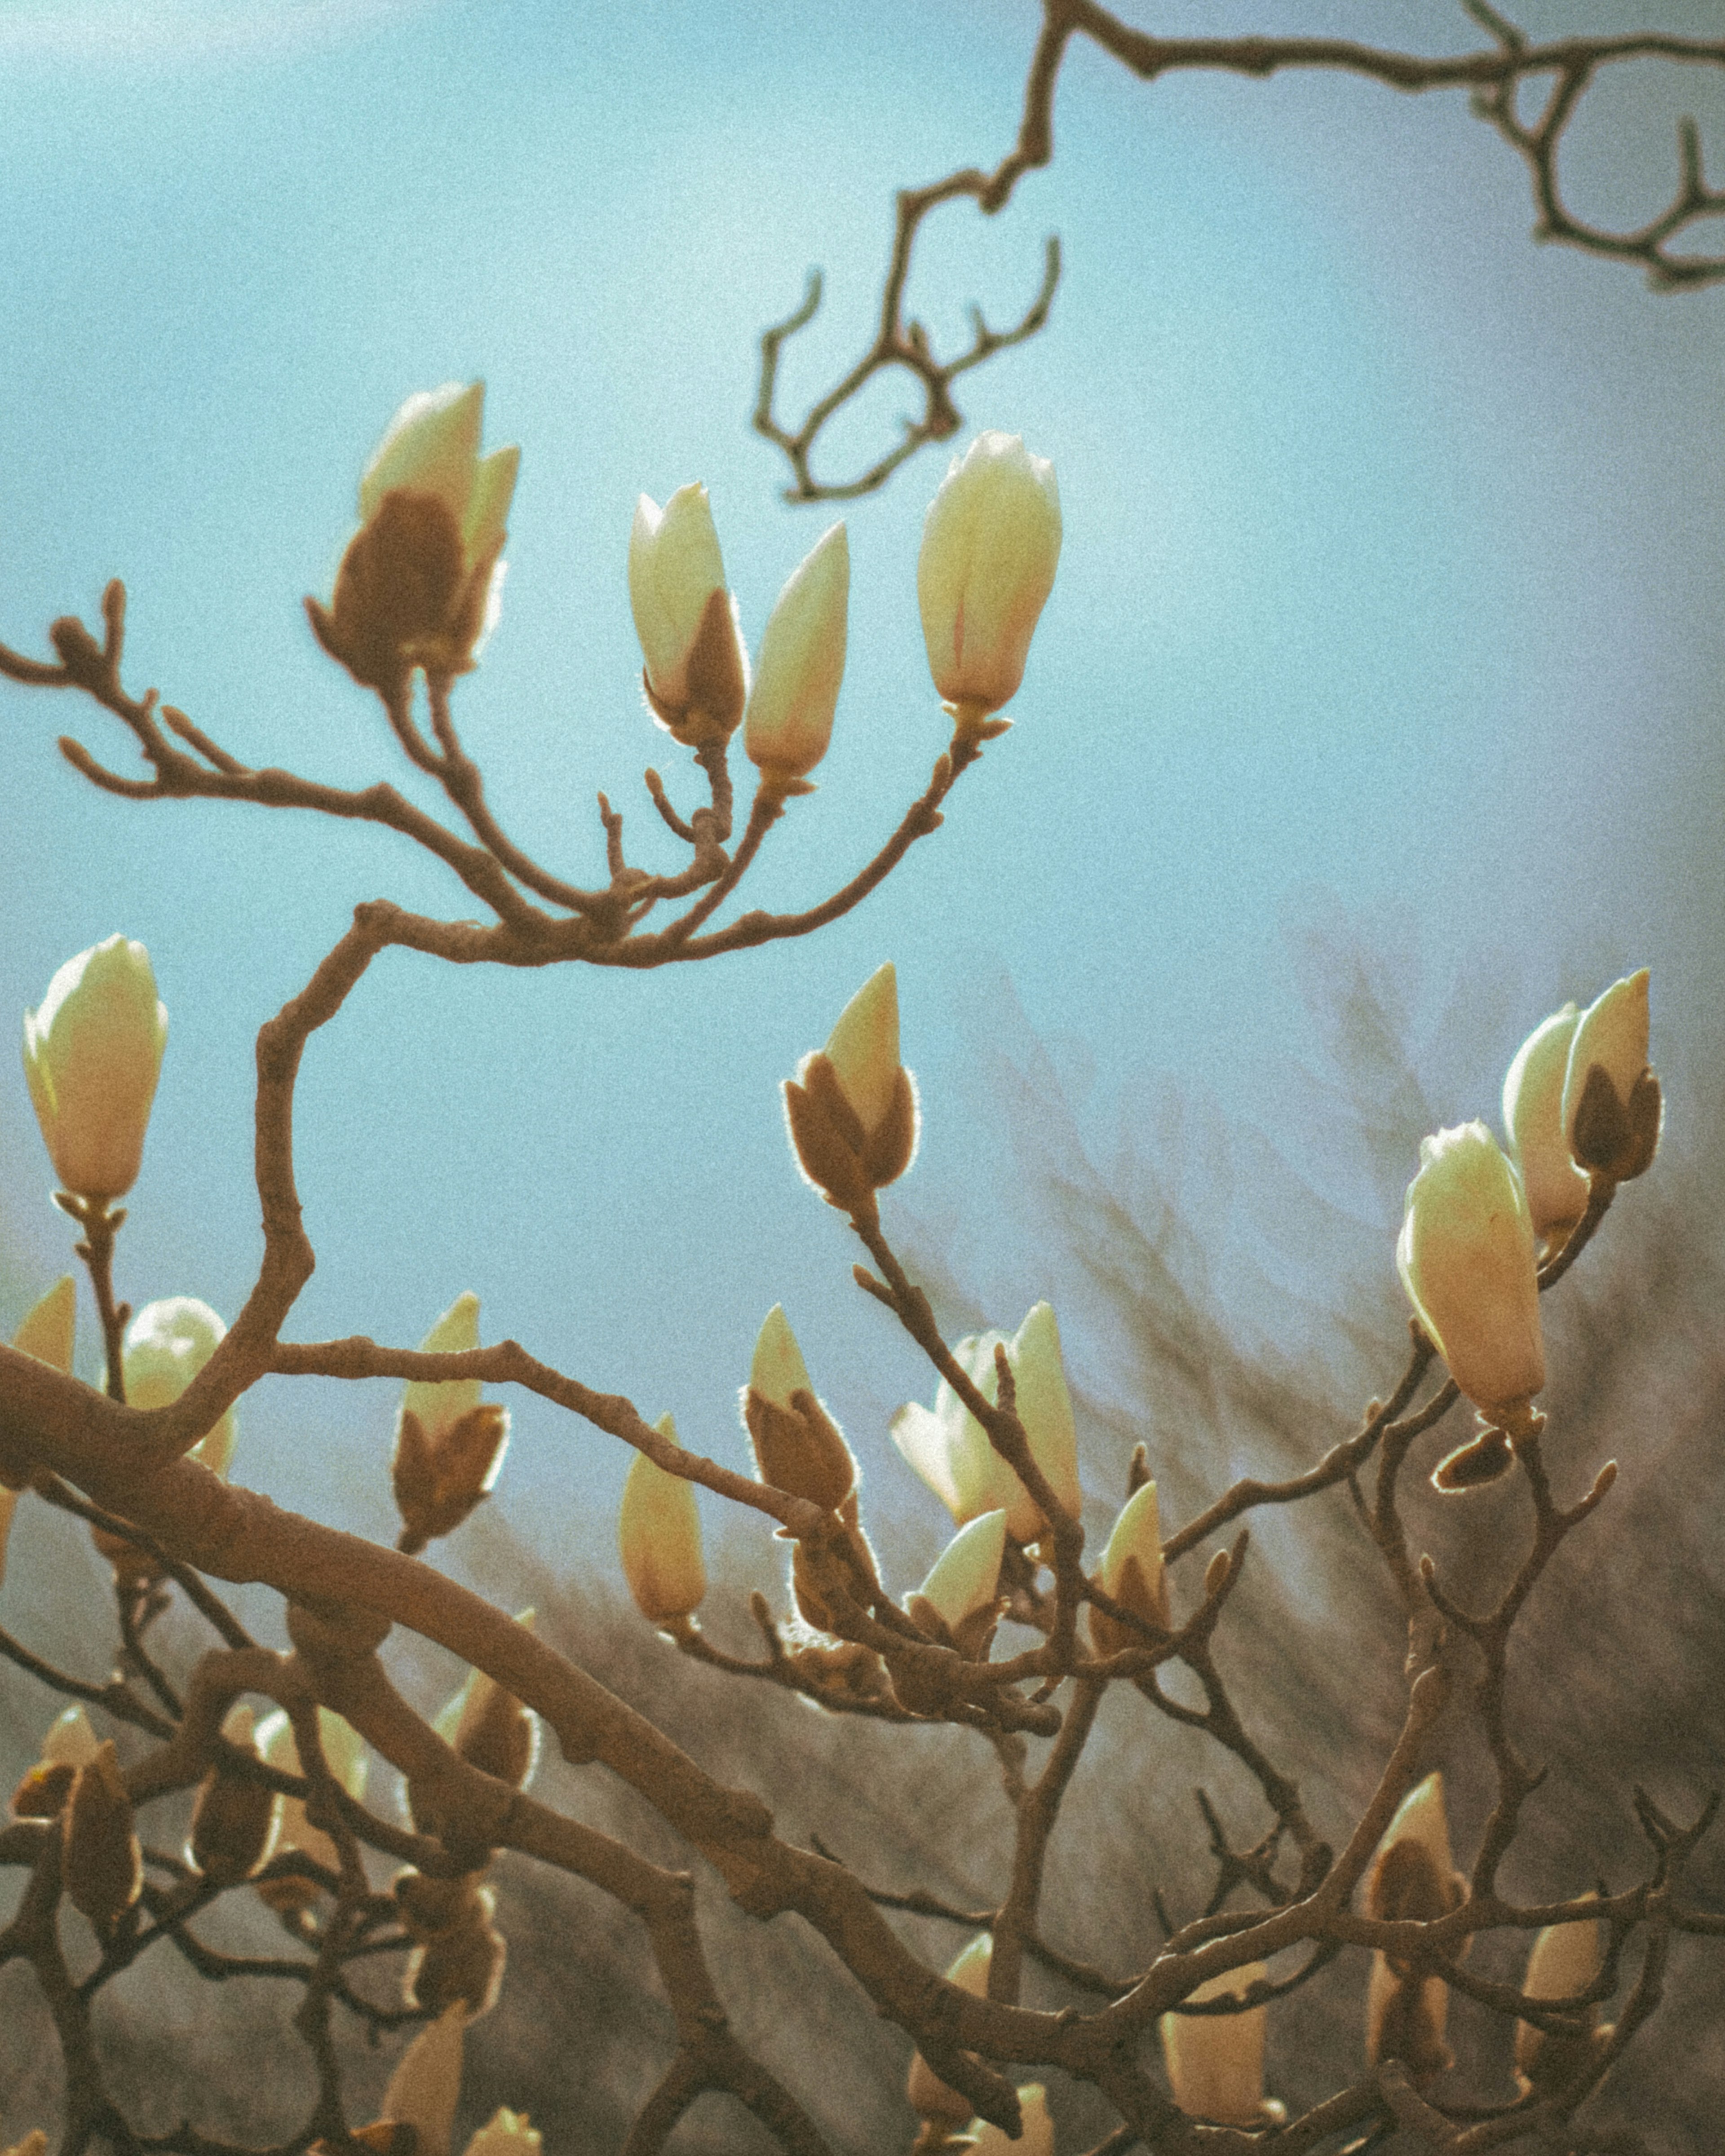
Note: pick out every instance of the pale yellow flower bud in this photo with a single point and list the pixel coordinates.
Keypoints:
(1132, 1573)
(851, 1108)
(1216, 2062)
(799, 1447)
(696, 677)
(1566, 1958)
(440, 1405)
(490, 1727)
(450, 1444)
(345, 1755)
(1534, 1116)
(426, 2085)
(990, 544)
(1421, 1818)
(34, 2143)
(421, 581)
(659, 1538)
(965, 1578)
(929, 2095)
(950, 1450)
(863, 1047)
(92, 1055)
(1612, 1121)
(1414, 1880)
(1466, 1256)
(789, 719)
(1037, 2137)
(508, 2134)
(71, 1741)
(167, 1344)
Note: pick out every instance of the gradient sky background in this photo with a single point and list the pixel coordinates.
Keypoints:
(1391, 591)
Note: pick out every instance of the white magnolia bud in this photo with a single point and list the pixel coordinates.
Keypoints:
(789, 719)
(426, 2085)
(1566, 1958)
(345, 1755)
(1132, 1572)
(801, 1450)
(851, 1109)
(440, 1403)
(1466, 1256)
(1612, 1121)
(1534, 1116)
(697, 674)
(863, 1048)
(965, 1578)
(930, 2097)
(167, 1344)
(990, 544)
(489, 1726)
(1421, 1817)
(92, 1055)
(71, 1741)
(450, 1444)
(1216, 2062)
(659, 1536)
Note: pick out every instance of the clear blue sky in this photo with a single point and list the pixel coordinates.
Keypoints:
(1391, 573)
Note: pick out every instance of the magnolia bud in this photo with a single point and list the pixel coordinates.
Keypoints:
(420, 582)
(1405, 2019)
(1132, 1573)
(659, 1538)
(46, 1333)
(799, 1447)
(92, 1055)
(696, 677)
(1421, 1821)
(426, 2085)
(69, 1744)
(233, 1818)
(1466, 1256)
(1534, 1116)
(1414, 1881)
(1566, 1958)
(990, 543)
(345, 1755)
(35, 2143)
(962, 1589)
(448, 1443)
(1216, 2062)
(789, 719)
(489, 1729)
(852, 1108)
(508, 2134)
(462, 1964)
(930, 2097)
(1036, 2137)
(101, 1864)
(1612, 1105)
(167, 1344)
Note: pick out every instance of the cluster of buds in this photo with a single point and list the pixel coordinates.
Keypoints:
(851, 1108)
(1216, 2062)
(1582, 1110)
(1414, 1881)
(92, 1055)
(448, 1442)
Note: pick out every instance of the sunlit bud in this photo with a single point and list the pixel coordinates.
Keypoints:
(46, 1333)
(167, 1344)
(1035, 2138)
(1216, 2062)
(420, 582)
(1132, 1573)
(659, 1538)
(964, 1587)
(345, 1755)
(990, 544)
(92, 1055)
(930, 2097)
(1566, 1958)
(950, 1450)
(697, 678)
(852, 1108)
(508, 2134)
(1405, 2019)
(799, 1447)
(426, 2085)
(101, 1864)
(1421, 1819)
(1466, 1256)
(70, 1740)
(69, 1744)
(450, 1444)
(1612, 1105)
(1414, 1881)
(789, 719)
(233, 1818)
(489, 1726)
(1534, 1116)
(462, 1963)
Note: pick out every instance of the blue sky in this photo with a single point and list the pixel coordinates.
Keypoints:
(1391, 581)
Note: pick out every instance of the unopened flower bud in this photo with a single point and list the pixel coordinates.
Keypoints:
(789, 719)
(489, 1729)
(990, 544)
(1405, 2019)
(69, 1744)
(1566, 1958)
(962, 1589)
(1466, 1256)
(1133, 1574)
(1534, 1116)
(101, 1864)
(1414, 1881)
(92, 1055)
(930, 2097)
(1612, 1104)
(345, 1755)
(419, 583)
(233, 1817)
(450, 1444)
(1216, 2062)
(1036, 2136)
(426, 2086)
(508, 2134)
(1421, 1821)
(852, 1107)
(798, 1446)
(658, 1539)
(34, 2143)
(696, 677)
(462, 1964)
(167, 1344)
